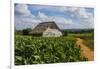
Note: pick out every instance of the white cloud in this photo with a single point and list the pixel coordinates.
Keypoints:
(22, 9)
(81, 13)
(26, 18)
(43, 17)
(65, 9)
(84, 19)
(57, 19)
(61, 20)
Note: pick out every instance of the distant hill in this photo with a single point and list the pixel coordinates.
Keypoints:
(78, 30)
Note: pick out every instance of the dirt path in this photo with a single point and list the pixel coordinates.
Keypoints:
(85, 51)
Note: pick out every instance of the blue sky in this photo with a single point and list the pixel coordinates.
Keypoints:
(66, 17)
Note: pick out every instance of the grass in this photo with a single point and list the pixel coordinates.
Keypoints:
(87, 37)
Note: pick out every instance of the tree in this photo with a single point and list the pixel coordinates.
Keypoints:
(65, 32)
(26, 31)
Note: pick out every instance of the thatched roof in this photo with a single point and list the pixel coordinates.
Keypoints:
(41, 27)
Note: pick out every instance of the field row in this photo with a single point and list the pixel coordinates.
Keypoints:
(39, 50)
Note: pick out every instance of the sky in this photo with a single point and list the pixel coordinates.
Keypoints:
(66, 17)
